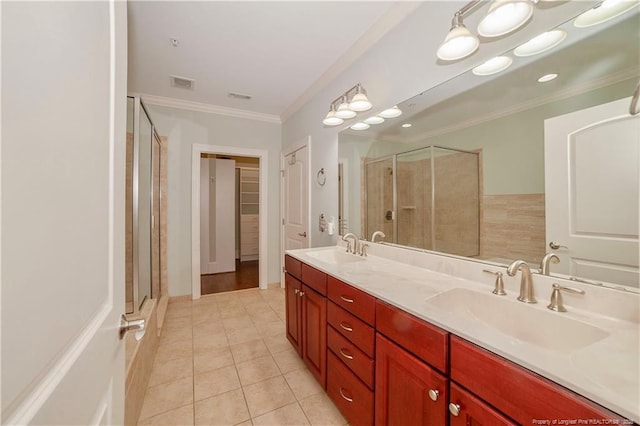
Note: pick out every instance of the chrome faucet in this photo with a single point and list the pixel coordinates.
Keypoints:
(356, 242)
(546, 260)
(377, 234)
(526, 284)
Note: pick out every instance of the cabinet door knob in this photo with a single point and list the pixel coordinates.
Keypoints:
(454, 409)
(345, 397)
(433, 394)
(296, 291)
(301, 293)
(346, 327)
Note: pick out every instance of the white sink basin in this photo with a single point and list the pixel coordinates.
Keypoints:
(549, 330)
(334, 255)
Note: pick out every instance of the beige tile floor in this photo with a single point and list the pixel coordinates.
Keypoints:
(224, 360)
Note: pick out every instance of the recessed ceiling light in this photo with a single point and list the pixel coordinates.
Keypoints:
(541, 43)
(609, 9)
(405, 125)
(374, 120)
(492, 66)
(391, 112)
(547, 77)
(360, 126)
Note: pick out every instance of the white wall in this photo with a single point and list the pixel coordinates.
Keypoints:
(185, 128)
(401, 65)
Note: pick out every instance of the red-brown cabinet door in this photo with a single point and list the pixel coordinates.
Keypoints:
(467, 410)
(294, 311)
(314, 333)
(408, 391)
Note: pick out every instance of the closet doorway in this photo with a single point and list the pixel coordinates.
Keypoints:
(229, 222)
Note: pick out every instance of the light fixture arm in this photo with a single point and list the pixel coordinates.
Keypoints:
(457, 17)
(349, 94)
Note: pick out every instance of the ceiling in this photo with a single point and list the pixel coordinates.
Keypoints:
(273, 51)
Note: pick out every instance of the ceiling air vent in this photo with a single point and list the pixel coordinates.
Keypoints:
(242, 96)
(182, 82)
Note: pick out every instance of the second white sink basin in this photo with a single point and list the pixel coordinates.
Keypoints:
(336, 256)
(549, 330)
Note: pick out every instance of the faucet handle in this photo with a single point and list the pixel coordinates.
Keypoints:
(499, 286)
(556, 304)
(363, 249)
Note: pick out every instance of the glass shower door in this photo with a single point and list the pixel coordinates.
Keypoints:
(414, 193)
(379, 210)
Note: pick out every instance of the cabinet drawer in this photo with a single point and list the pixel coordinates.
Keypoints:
(249, 227)
(353, 357)
(249, 238)
(515, 391)
(353, 300)
(293, 266)
(355, 330)
(350, 395)
(249, 248)
(426, 341)
(248, 218)
(315, 279)
(473, 411)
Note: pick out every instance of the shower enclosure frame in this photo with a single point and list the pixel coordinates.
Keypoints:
(153, 199)
(394, 158)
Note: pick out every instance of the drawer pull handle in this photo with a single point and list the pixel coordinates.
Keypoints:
(346, 327)
(434, 394)
(346, 299)
(345, 397)
(454, 409)
(344, 354)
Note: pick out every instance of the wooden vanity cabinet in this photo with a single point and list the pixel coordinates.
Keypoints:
(306, 313)
(408, 390)
(517, 392)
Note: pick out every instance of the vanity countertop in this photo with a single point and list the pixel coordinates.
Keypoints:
(606, 371)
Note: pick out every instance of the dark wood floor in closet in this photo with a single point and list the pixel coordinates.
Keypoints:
(245, 276)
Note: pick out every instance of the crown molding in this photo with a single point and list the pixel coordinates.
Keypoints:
(207, 108)
(396, 14)
(579, 89)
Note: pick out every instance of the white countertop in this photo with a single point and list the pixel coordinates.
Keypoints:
(607, 371)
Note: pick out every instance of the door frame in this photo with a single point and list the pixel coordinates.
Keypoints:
(302, 143)
(263, 236)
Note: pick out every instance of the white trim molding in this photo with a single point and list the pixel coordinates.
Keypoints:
(208, 108)
(263, 155)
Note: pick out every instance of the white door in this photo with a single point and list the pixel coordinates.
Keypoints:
(64, 67)
(225, 214)
(296, 200)
(592, 160)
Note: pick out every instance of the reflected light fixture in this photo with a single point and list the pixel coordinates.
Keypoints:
(609, 9)
(347, 106)
(505, 16)
(547, 77)
(541, 43)
(360, 126)
(392, 112)
(376, 119)
(406, 125)
(493, 65)
(459, 42)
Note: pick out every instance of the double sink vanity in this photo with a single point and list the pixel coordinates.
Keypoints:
(402, 337)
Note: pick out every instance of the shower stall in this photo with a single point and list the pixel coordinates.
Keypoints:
(427, 198)
(142, 221)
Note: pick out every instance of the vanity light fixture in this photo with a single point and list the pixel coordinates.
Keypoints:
(609, 9)
(375, 119)
(547, 77)
(493, 65)
(406, 125)
(347, 106)
(360, 126)
(392, 112)
(541, 43)
(503, 17)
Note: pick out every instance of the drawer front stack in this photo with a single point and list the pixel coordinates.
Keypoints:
(351, 342)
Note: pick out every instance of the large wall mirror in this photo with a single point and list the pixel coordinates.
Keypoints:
(502, 167)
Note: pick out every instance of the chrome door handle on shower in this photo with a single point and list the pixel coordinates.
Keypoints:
(303, 234)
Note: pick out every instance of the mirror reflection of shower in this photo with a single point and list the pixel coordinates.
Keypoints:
(427, 198)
